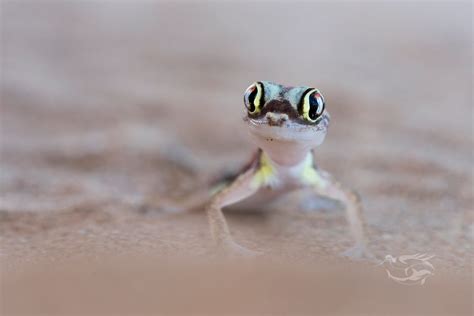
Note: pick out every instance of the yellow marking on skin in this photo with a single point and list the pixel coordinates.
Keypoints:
(310, 175)
(265, 173)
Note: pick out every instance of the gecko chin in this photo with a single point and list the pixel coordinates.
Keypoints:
(281, 129)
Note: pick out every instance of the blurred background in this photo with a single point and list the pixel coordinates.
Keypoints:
(107, 108)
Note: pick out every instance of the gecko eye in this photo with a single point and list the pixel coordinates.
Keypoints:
(253, 98)
(311, 105)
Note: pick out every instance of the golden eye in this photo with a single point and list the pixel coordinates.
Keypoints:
(312, 105)
(253, 98)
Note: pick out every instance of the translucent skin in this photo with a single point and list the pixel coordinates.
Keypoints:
(288, 142)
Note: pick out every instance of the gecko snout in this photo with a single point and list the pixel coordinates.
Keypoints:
(276, 119)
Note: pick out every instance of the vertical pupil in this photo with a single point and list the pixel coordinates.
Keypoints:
(313, 107)
(251, 99)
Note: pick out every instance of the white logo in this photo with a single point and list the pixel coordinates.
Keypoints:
(409, 269)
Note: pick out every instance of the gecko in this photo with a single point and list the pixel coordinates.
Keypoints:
(287, 124)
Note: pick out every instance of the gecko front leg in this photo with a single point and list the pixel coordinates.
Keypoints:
(325, 185)
(242, 187)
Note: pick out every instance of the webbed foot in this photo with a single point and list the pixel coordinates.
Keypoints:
(359, 252)
(232, 249)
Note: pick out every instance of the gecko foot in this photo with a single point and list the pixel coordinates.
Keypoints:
(359, 252)
(232, 249)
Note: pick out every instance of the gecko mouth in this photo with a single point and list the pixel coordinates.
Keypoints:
(279, 127)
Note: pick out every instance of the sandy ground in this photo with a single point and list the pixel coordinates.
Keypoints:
(110, 108)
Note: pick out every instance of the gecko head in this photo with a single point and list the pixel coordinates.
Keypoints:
(294, 116)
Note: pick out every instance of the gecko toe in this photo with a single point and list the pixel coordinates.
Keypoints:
(234, 250)
(360, 253)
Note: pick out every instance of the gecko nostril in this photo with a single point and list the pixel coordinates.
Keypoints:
(276, 118)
